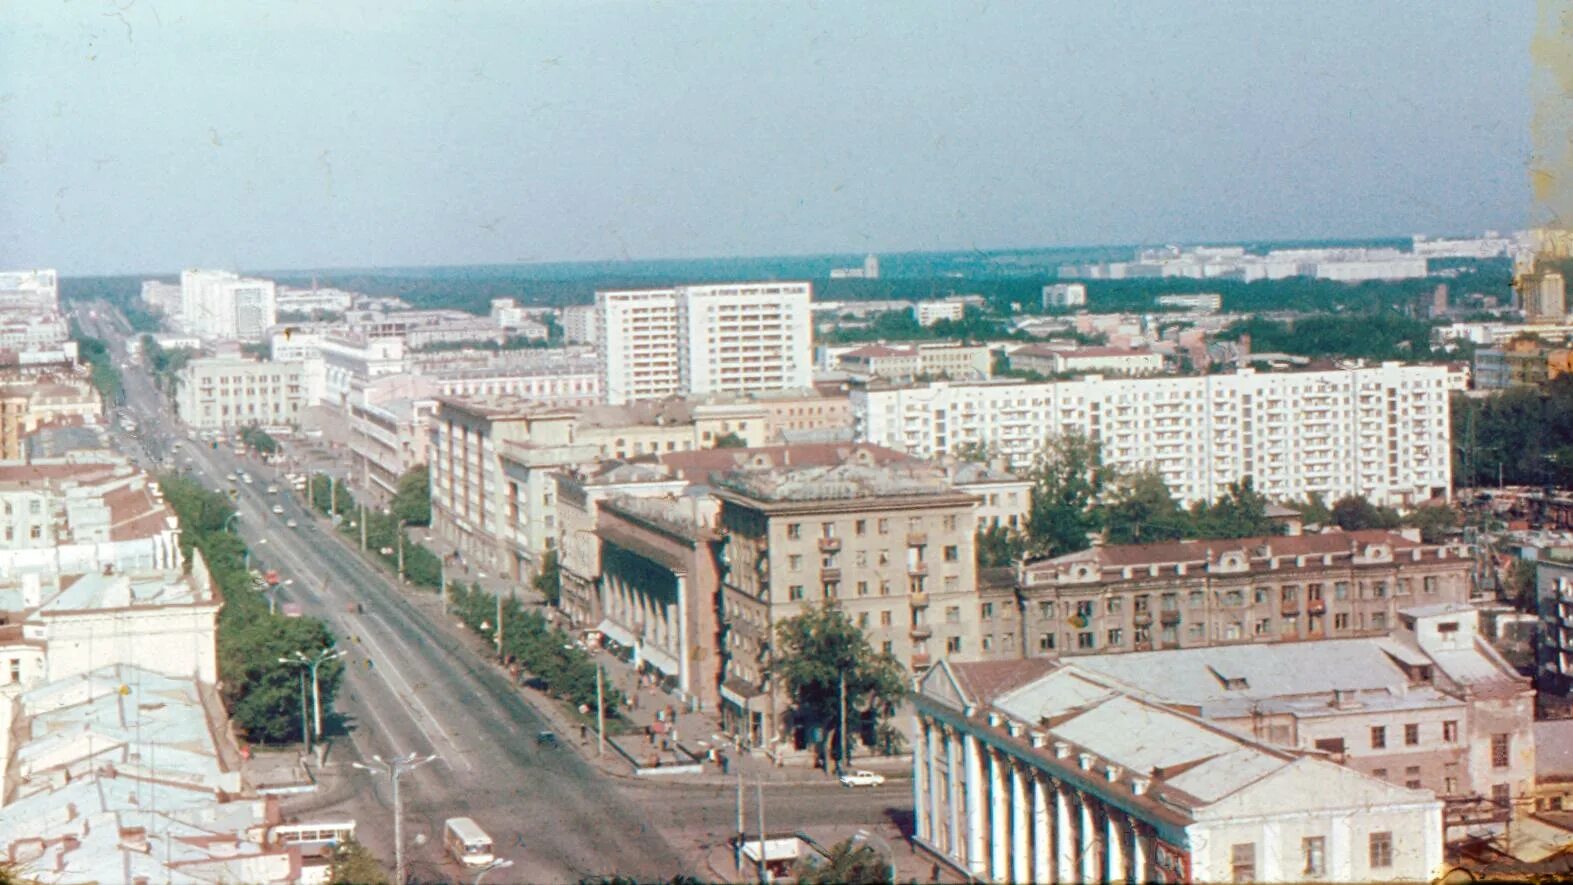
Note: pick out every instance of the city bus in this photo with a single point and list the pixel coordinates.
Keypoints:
(467, 842)
(312, 834)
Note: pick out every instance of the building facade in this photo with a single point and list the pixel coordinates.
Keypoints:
(1054, 360)
(1027, 773)
(1061, 295)
(1378, 431)
(221, 304)
(223, 393)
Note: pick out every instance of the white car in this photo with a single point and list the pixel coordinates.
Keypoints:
(273, 490)
(862, 779)
(292, 524)
(278, 510)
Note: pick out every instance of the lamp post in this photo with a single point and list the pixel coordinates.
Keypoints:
(229, 519)
(305, 723)
(315, 661)
(394, 768)
(498, 864)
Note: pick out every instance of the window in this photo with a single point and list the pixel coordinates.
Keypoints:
(1046, 642)
(953, 644)
(1242, 862)
(1314, 849)
(795, 592)
(1450, 730)
(860, 528)
(795, 562)
(1500, 755)
(1262, 595)
(952, 614)
(1412, 734)
(862, 588)
(1428, 584)
(1142, 604)
(862, 620)
(1116, 637)
(16, 669)
(1412, 777)
(827, 530)
(1381, 850)
(952, 553)
(884, 618)
(1379, 773)
(988, 611)
(832, 589)
(884, 526)
(1113, 604)
(1449, 786)
(1085, 640)
(1197, 599)
(1378, 737)
(988, 643)
(1341, 590)
(888, 647)
(1046, 610)
(1331, 745)
(794, 530)
(1341, 621)
(950, 523)
(1500, 795)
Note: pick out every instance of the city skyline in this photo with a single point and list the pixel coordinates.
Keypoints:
(358, 136)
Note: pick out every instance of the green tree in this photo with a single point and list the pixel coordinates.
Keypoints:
(549, 583)
(1435, 522)
(998, 546)
(260, 440)
(412, 501)
(1143, 510)
(1068, 479)
(1519, 583)
(730, 441)
(850, 861)
(1314, 510)
(819, 648)
(1354, 513)
(1241, 512)
(352, 864)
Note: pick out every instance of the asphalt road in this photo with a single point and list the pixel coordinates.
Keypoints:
(422, 691)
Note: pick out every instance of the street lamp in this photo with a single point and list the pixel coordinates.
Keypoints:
(498, 864)
(394, 768)
(305, 724)
(229, 519)
(315, 661)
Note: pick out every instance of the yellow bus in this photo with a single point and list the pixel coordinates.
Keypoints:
(467, 842)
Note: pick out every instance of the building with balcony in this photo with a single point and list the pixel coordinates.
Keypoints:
(891, 544)
(225, 393)
(1186, 594)
(1049, 359)
(387, 439)
(1554, 640)
(1429, 706)
(31, 291)
(579, 493)
(1378, 431)
(221, 304)
(728, 338)
(1028, 771)
(958, 361)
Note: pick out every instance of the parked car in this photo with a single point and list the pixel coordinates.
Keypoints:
(546, 739)
(862, 779)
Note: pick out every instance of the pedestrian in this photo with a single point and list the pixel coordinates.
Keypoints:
(584, 732)
(725, 763)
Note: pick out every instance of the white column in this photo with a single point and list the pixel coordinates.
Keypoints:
(1114, 844)
(1018, 823)
(999, 825)
(1138, 854)
(922, 759)
(975, 785)
(953, 800)
(1064, 838)
(682, 637)
(1040, 830)
(931, 740)
(1087, 832)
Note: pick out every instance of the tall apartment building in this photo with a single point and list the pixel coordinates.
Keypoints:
(1379, 431)
(162, 297)
(33, 291)
(221, 304)
(386, 440)
(221, 393)
(579, 324)
(927, 313)
(1065, 295)
(1545, 297)
(1188, 594)
(891, 545)
(729, 338)
(1025, 771)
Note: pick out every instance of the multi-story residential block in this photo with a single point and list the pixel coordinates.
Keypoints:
(221, 393)
(928, 313)
(937, 360)
(789, 412)
(1186, 594)
(387, 439)
(732, 338)
(1200, 302)
(30, 332)
(1049, 359)
(1525, 361)
(660, 579)
(579, 324)
(530, 465)
(76, 518)
(1378, 431)
(1545, 297)
(1025, 771)
(891, 545)
(1554, 640)
(1431, 706)
(162, 297)
(221, 304)
(313, 300)
(579, 493)
(1065, 295)
(1004, 499)
(30, 291)
(350, 362)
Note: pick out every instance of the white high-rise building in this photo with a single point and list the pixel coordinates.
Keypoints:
(221, 304)
(727, 338)
(1379, 431)
(579, 325)
(30, 290)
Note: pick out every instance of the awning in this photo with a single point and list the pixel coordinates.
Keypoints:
(738, 691)
(659, 659)
(616, 633)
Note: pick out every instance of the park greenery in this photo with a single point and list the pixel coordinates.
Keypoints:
(259, 440)
(352, 864)
(1077, 498)
(1521, 436)
(1376, 335)
(122, 293)
(382, 533)
(848, 862)
(549, 583)
(263, 696)
(820, 651)
(412, 501)
(164, 364)
(562, 669)
(101, 364)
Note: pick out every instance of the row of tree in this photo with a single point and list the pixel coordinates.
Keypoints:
(564, 670)
(1077, 497)
(103, 372)
(384, 537)
(1521, 436)
(262, 696)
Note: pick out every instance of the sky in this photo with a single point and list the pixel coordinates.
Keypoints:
(145, 136)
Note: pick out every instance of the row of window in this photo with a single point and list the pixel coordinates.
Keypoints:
(1313, 854)
(882, 525)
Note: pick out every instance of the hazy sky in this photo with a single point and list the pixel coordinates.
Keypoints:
(150, 135)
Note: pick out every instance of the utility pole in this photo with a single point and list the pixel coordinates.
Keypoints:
(600, 714)
(499, 625)
(759, 792)
(401, 551)
(842, 762)
(333, 497)
(394, 768)
(363, 528)
(737, 850)
(305, 732)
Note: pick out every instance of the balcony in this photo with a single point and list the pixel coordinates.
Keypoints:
(1290, 610)
(830, 574)
(918, 600)
(920, 631)
(917, 539)
(1169, 617)
(1316, 606)
(920, 661)
(1141, 619)
(917, 569)
(1141, 646)
(829, 545)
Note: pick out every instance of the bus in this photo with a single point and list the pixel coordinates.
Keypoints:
(467, 842)
(312, 834)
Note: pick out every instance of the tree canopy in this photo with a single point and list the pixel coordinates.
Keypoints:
(819, 648)
(412, 501)
(850, 862)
